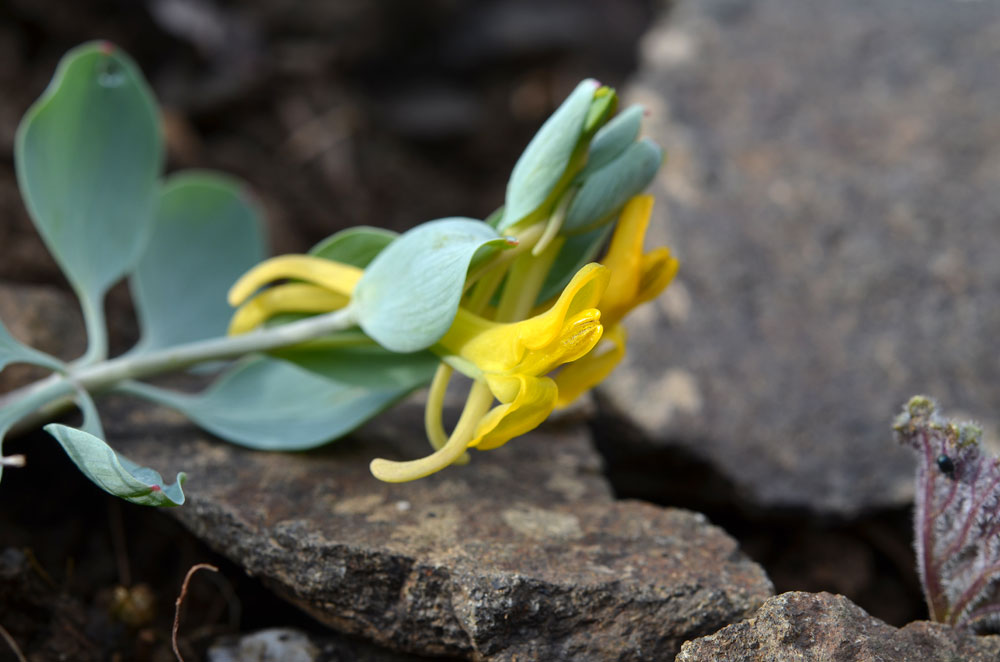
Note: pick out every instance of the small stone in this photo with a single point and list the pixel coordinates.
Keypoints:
(805, 627)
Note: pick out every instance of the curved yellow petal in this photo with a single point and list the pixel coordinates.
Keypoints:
(577, 338)
(333, 276)
(658, 270)
(287, 298)
(500, 348)
(528, 402)
(624, 258)
(587, 372)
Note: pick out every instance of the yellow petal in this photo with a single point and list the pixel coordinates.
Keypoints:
(500, 348)
(587, 372)
(624, 258)
(287, 298)
(576, 339)
(635, 277)
(658, 270)
(333, 276)
(529, 401)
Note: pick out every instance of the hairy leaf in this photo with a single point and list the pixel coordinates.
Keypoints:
(957, 517)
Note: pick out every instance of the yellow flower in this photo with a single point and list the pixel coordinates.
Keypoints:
(324, 286)
(636, 277)
(508, 362)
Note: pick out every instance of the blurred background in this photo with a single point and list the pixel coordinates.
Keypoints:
(343, 113)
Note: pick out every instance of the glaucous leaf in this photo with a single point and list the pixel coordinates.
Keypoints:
(606, 191)
(612, 139)
(368, 365)
(408, 296)
(544, 161)
(88, 156)
(355, 246)
(206, 233)
(115, 473)
(269, 404)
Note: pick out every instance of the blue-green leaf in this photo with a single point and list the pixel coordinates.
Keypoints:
(606, 191)
(409, 294)
(115, 473)
(544, 161)
(89, 155)
(206, 233)
(14, 351)
(269, 404)
(612, 139)
(366, 364)
(355, 246)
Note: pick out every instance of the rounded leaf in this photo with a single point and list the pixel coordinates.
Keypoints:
(206, 233)
(409, 294)
(355, 246)
(89, 155)
(269, 404)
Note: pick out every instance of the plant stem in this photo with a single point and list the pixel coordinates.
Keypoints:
(102, 376)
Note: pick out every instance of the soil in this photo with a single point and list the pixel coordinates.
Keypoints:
(337, 114)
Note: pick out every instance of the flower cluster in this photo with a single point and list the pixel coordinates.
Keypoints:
(525, 355)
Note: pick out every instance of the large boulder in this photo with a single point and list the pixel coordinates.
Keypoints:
(832, 190)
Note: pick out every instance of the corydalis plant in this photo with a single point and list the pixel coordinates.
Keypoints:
(323, 342)
(957, 517)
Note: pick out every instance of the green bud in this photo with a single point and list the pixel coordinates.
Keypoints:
(606, 191)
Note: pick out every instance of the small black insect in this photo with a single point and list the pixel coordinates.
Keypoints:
(946, 465)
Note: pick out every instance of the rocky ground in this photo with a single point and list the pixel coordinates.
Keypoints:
(732, 494)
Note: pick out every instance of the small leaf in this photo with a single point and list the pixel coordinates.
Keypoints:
(206, 233)
(957, 516)
(14, 351)
(367, 365)
(613, 138)
(355, 246)
(606, 191)
(88, 155)
(268, 404)
(546, 158)
(408, 296)
(115, 473)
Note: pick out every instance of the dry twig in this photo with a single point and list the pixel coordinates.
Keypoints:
(13, 644)
(180, 599)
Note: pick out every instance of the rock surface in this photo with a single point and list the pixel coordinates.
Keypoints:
(803, 627)
(44, 317)
(523, 554)
(832, 190)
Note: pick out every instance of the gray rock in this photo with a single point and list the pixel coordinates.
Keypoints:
(832, 190)
(45, 318)
(523, 554)
(821, 627)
